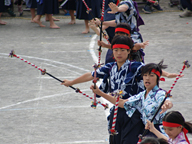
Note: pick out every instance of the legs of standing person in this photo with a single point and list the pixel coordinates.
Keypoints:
(86, 27)
(32, 10)
(2, 22)
(71, 12)
(187, 5)
(52, 24)
(37, 19)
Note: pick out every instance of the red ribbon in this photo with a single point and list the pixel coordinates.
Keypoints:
(169, 124)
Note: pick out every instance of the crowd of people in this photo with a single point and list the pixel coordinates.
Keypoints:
(51, 7)
(124, 70)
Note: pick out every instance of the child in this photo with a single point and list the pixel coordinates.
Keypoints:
(124, 75)
(124, 29)
(148, 101)
(126, 12)
(175, 127)
(81, 12)
(48, 8)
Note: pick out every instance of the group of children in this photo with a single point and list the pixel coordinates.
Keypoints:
(138, 82)
(125, 70)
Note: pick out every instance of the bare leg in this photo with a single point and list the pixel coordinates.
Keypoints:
(32, 14)
(2, 22)
(86, 27)
(37, 20)
(54, 19)
(52, 24)
(71, 12)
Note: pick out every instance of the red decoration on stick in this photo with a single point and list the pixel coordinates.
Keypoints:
(43, 72)
(117, 94)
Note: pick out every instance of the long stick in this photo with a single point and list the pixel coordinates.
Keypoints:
(43, 72)
(117, 95)
(186, 65)
(63, 3)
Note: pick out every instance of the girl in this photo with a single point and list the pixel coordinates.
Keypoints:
(124, 75)
(148, 101)
(81, 13)
(48, 8)
(175, 127)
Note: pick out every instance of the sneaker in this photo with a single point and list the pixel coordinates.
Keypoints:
(186, 13)
(157, 7)
(147, 9)
(10, 12)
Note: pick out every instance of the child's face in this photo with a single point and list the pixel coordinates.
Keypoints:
(120, 54)
(172, 132)
(150, 80)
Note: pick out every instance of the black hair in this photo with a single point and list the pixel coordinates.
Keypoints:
(150, 140)
(176, 117)
(125, 26)
(120, 39)
(158, 67)
(162, 141)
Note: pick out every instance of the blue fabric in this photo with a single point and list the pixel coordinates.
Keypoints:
(146, 106)
(40, 1)
(128, 78)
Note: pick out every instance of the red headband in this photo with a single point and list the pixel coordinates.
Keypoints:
(122, 30)
(158, 74)
(120, 46)
(169, 124)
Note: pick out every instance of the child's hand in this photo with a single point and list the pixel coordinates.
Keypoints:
(97, 21)
(114, 8)
(167, 105)
(92, 24)
(101, 43)
(66, 83)
(144, 44)
(150, 126)
(95, 90)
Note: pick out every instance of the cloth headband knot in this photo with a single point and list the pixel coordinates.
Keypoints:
(120, 46)
(169, 124)
(158, 74)
(122, 30)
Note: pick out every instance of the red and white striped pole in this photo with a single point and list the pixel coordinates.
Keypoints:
(117, 94)
(12, 54)
(186, 65)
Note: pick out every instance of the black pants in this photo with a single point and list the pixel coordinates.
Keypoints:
(128, 128)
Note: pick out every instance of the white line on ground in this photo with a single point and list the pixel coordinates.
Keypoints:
(95, 59)
(39, 98)
(49, 60)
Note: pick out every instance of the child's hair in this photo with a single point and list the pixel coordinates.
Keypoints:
(176, 117)
(120, 39)
(150, 140)
(162, 141)
(123, 28)
(156, 68)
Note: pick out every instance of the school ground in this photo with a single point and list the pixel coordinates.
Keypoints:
(36, 109)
